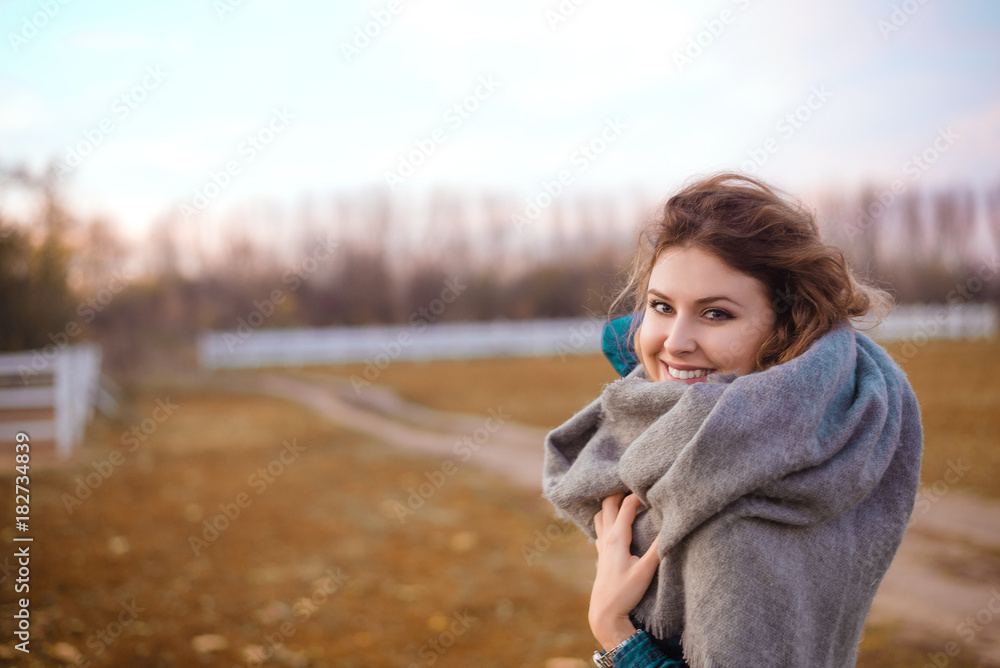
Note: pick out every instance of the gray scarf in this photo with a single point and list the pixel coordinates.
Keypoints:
(780, 497)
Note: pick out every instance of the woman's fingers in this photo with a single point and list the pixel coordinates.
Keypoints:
(607, 514)
(619, 510)
(630, 505)
(648, 563)
(621, 579)
(612, 502)
(651, 553)
(616, 516)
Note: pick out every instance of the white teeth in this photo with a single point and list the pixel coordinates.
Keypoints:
(687, 375)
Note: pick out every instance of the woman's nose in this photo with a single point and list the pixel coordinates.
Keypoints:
(680, 338)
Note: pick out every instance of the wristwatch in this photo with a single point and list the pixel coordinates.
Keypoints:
(606, 659)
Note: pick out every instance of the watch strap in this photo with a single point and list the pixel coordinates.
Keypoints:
(606, 659)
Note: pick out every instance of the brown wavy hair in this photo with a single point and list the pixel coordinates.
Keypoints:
(760, 231)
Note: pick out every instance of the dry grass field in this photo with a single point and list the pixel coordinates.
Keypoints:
(315, 570)
(957, 385)
(140, 558)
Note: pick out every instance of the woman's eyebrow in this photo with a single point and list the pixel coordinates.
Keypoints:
(703, 300)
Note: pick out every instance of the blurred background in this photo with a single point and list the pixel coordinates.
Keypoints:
(290, 295)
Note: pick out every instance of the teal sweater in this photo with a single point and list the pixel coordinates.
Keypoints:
(616, 342)
(644, 651)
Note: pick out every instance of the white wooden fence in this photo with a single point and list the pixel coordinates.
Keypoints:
(917, 322)
(66, 381)
(382, 344)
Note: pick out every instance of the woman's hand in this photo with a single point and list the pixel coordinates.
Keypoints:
(622, 578)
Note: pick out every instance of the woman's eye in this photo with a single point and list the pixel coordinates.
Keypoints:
(711, 314)
(658, 306)
(722, 315)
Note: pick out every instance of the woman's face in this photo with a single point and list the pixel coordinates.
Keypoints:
(701, 315)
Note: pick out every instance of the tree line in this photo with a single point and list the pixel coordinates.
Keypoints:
(366, 258)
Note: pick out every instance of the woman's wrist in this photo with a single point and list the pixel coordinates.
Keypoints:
(610, 634)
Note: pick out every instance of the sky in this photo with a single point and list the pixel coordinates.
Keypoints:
(188, 109)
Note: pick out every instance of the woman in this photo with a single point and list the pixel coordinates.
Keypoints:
(765, 455)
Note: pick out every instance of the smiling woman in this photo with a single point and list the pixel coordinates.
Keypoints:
(685, 337)
(732, 264)
(749, 480)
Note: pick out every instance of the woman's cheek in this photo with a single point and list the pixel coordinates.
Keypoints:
(639, 347)
(727, 355)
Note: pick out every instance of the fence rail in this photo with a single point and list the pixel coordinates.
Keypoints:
(382, 344)
(64, 383)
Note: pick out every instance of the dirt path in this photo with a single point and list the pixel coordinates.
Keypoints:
(943, 588)
(493, 441)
